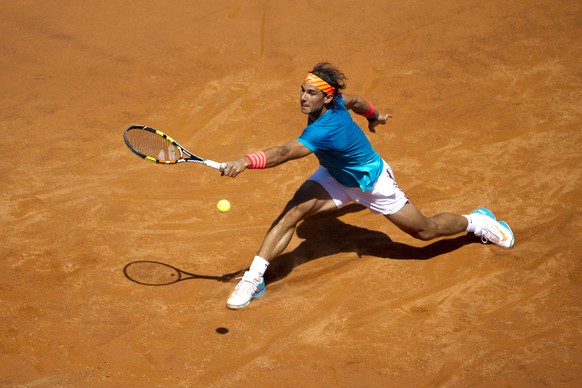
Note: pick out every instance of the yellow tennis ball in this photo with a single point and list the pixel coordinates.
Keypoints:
(223, 205)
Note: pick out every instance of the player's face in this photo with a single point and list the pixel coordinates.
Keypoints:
(312, 99)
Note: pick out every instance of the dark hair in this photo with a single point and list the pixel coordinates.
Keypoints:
(330, 74)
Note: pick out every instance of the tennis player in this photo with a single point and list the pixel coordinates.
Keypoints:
(350, 171)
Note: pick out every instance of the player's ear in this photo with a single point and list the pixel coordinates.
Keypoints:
(328, 98)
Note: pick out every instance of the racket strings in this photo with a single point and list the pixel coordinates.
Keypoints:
(152, 145)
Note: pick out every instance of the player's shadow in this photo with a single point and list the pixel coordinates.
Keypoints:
(325, 235)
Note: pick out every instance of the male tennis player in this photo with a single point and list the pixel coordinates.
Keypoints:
(350, 171)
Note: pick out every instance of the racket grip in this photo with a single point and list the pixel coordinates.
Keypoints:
(216, 165)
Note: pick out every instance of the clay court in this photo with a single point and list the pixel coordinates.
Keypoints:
(486, 104)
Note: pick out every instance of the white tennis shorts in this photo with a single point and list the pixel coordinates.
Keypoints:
(385, 197)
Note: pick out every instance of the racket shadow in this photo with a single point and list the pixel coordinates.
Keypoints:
(325, 235)
(157, 273)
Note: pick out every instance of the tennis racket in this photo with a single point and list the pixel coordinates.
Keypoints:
(155, 273)
(157, 147)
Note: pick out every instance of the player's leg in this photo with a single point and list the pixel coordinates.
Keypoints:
(481, 222)
(311, 198)
(410, 220)
(386, 198)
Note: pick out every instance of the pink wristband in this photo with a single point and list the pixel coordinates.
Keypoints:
(371, 112)
(258, 159)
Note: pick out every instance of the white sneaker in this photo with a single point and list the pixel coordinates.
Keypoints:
(246, 290)
(491, 230)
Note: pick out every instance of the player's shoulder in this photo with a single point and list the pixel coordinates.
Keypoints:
(346, 99)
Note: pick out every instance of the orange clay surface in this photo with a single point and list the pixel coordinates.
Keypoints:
(487, 102)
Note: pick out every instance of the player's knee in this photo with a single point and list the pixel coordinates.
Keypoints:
(423, 235)
(294, 213)
(429, 232)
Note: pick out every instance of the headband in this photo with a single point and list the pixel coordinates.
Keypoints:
(319, 83)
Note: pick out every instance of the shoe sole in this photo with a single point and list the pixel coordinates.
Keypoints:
(510, 231)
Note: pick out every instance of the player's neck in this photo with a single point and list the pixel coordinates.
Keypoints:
(315, 115)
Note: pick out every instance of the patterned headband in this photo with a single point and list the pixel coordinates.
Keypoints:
(319, 83)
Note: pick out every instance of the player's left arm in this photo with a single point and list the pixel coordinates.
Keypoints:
(267, 158)
(362, 106)
(291, 150)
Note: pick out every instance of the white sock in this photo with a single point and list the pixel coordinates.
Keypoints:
(471, 227)
(259, 265)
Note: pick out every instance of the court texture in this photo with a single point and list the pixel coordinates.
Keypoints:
(486, 104)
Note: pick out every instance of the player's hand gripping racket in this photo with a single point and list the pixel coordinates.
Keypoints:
(157, 147)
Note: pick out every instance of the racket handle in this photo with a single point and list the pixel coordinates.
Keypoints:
(216, 165)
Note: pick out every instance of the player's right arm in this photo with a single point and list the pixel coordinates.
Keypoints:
(361, 106)
(274, 156)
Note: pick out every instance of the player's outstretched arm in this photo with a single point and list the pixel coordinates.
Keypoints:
(363, 107)
(270, 157)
